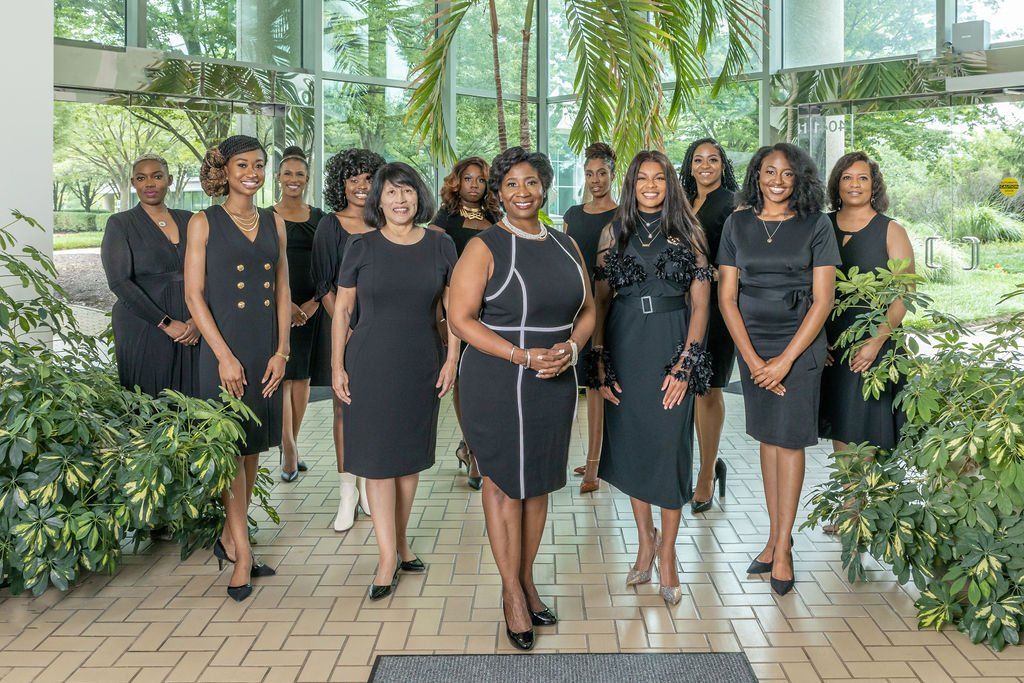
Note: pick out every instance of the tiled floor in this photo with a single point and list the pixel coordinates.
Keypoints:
(162, 619)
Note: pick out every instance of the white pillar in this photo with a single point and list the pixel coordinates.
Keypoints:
(813, 32)
(26, 176)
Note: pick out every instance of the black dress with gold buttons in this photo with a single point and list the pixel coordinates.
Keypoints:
(240, 278)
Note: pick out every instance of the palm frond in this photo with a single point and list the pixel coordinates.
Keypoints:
(427, 102)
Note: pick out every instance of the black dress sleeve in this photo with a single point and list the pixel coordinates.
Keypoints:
(448, 257)
(727, 247)
(118, 264)
(824, 248)
(325, 259)
(441, 219)
(354, 260)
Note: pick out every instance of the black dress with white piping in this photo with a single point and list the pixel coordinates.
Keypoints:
(517, 424)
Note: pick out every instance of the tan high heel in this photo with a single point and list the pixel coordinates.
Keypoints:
(588, 486)
(637, 576)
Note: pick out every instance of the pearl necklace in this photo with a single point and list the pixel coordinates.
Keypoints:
(522, 233)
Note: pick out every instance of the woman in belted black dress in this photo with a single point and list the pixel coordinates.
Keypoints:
(521, 300)
(467, 207)
(143, 256)
(709, 182)
(236, 285)
(777, 268)
(346, 186)
(653, 287)
(310, 335)
(585, 223)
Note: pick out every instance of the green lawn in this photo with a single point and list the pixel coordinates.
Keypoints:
(1008, 256)
(77, 240)
(975, 298)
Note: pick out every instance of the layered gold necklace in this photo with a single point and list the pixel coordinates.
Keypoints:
(245, 224)
(471, 214)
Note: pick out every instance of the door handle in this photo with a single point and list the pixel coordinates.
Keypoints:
(929, 252)
(975, 251)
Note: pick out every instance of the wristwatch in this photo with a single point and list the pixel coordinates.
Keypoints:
(164, 322)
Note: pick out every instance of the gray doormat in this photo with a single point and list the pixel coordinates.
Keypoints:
(701, 667)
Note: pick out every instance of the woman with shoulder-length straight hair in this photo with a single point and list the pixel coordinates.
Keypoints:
(467, 207)
(347, 179)
(391, 370)
(710, 184)
(653, 287)
(236, 285)
(521, 300)
(777, 271)
(868, 240)
(143, 256)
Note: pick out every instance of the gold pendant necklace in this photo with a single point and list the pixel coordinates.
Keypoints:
(471, 214)
(771, 235)
(651, 236)
(245, 224)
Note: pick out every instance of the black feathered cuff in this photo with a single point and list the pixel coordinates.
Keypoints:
(592, 362)
(695, 368)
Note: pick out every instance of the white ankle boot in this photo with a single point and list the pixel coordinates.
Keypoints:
(364, 500)
(348, 498)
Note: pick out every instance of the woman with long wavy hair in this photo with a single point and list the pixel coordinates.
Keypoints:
(777, 271)
(467, 207)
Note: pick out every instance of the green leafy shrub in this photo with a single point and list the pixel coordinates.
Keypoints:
(86, 466)
(987, 222)
(945, 508)
(79, 221)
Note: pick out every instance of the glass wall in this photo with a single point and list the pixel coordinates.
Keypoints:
(833, 31)
(1005, 16)
(93, 21)
(382, 38)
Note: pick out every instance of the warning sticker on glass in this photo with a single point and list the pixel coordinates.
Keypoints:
(1009, 186)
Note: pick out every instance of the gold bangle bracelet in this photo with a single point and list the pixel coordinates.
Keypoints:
(286, 358)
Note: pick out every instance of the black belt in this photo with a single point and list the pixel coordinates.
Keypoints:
(653, 304)
(159, 278)
(791, 297)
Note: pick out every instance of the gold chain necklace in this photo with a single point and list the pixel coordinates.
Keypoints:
(771, 235)
(651, 236)
(471, 214)
(245, 224)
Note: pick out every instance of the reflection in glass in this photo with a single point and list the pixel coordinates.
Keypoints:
(474, 61)
(834, 31)
(260, 31)
(1005, 16)
(567, 188)
(375, 37)
(476, 125)
(94, 21)
(731, 119)
(370, 116)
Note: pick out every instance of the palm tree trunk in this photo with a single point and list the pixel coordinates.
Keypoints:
(524, 118)
(499, 100)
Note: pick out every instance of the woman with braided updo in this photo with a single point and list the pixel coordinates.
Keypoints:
(346, 186)
(653, 286)
(236, 285)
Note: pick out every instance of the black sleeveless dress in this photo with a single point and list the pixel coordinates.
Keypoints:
(845, 414)
(717, 207)
(647, 452)
(518, 425)
(146, 273)
(454, 225)
(310, 343)
(240, 280)
(586, 229)
(776, 280)
(394, 355)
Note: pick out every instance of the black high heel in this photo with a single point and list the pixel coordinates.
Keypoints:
(465, 457)
(699, 506)
(239, 593)
(523, 640)
(545, 617)
(302, 467)
(414, 566)
(783, 586)
(258, 570)
(758, 567)
(381, 592)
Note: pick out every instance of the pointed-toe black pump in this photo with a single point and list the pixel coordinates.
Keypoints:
(699, 506)
(239, 593)
(381, 592)
(758, 567)
(413, 566)
(523, 640)
(258, 570)
(545, 617)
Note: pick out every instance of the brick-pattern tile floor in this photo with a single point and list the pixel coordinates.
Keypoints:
(160, 619)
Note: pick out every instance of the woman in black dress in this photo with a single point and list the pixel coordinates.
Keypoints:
(868, 239)
(467, 207)
(236, 285)
(521, 300)
(653, 287)
(584, 223)
(710, 183)
(390, 370)
(777, 270)
(346, 185)
(143, 256)
(310, 335)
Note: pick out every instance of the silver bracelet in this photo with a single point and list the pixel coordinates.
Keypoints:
(527, 363)
(575, 352)
(512, 353)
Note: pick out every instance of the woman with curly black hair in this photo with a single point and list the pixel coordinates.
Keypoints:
(467, 207)
(346, 185)
(710, 184)
(777, 271)
(236, 286)
(653, 286)
(521, 299)
(584, 223)
(868, 239)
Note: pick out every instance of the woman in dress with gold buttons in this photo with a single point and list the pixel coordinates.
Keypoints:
(236, 285)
